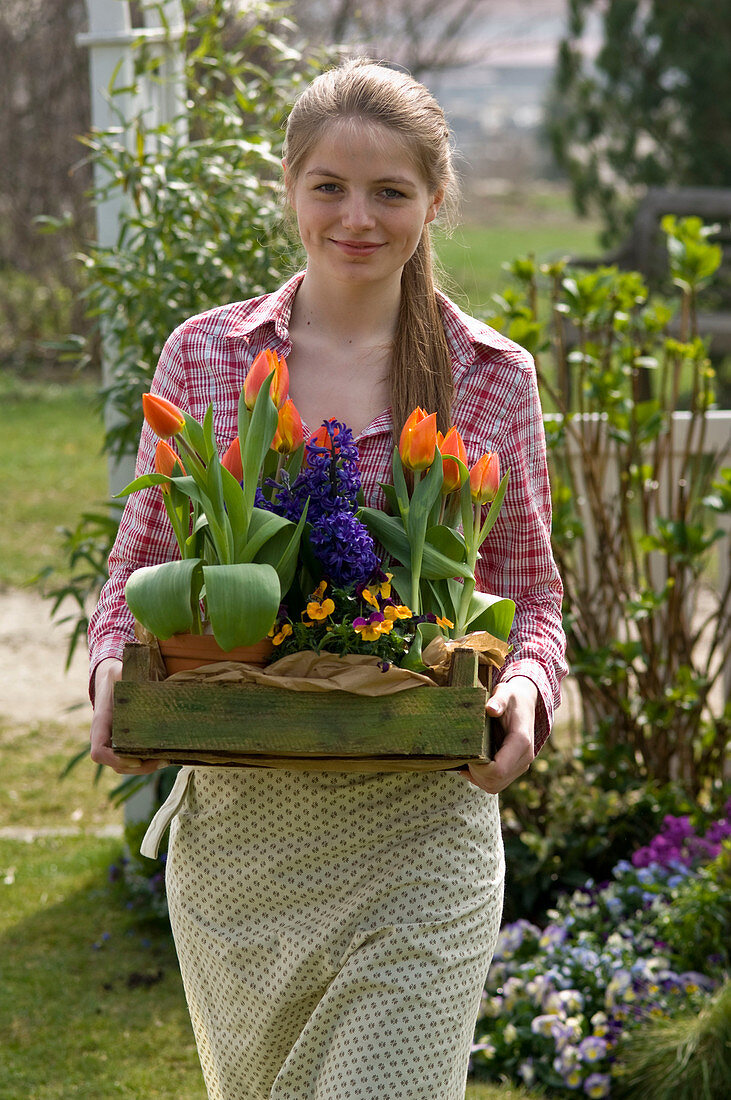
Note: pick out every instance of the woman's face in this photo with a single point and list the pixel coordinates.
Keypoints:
(361, 204)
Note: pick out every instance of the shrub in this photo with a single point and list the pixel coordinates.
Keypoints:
(573, 817)
(202, 223)
(561, 1001)
(636, 492)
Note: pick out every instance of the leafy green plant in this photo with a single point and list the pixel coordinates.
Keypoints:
(570, 818)
(636, 493)
(201, 225)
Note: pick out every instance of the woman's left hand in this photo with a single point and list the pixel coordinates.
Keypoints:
(514, 704)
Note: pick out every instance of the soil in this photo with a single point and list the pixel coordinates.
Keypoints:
(34, 683)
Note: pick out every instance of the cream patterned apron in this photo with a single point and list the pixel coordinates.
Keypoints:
(334, 930)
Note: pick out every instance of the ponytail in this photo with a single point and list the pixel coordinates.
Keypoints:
(421, 364)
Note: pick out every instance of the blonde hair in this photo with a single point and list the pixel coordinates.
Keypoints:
(421, 367)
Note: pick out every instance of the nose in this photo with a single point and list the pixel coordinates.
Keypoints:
(357, 214)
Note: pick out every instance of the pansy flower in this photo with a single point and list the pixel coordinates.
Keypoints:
(370, 629)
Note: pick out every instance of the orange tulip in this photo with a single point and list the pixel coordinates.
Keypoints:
(418, 440)
(485, 478)
(165, 462)
(266, 362)
(452, 444)
(289, 434)
(164, 418)
(232, 460)
(321, 438)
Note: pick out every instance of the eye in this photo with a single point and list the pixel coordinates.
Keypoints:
(392, 193)
(327, 188)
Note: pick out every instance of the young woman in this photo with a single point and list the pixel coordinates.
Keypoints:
(335, 929)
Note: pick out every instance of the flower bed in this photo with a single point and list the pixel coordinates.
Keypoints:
(648, 944)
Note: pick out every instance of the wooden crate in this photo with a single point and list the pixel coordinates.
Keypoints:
(227, 723)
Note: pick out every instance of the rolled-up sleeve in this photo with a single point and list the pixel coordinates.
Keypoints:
(517, 560)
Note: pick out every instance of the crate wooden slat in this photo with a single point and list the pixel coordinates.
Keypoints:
(228, 723)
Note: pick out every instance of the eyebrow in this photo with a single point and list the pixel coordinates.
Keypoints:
(337, 176)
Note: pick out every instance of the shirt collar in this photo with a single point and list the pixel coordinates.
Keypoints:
(272, 309)
(467, 337)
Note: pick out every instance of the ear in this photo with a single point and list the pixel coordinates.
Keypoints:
(433, 209)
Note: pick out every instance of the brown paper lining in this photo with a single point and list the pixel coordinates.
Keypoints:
(359, 674)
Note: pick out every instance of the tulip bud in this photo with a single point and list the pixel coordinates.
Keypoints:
(165, 462)
(452, 444)
(266, 362)
(320, 438)
(232, 460)
(418, 440)
(485, 478)
(164, 418)
(289, 434)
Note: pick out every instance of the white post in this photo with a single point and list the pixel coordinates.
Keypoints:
(111, 39)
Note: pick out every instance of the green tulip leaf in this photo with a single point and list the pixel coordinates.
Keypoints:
(234, 500)
(194, 433)
(399, 485)
(401, 581)
(494, 614)
(446, 541)
(286, 566)
(258, 440)
(263, 527)
(146, 481)
(164, 598)
(391, 534)
(425, 633)
(426, 494)
(242, 602)
(276, 541)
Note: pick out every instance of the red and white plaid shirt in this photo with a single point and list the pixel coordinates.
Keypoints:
(496, 408)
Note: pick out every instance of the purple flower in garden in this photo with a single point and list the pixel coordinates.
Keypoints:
(592, 1048)
(597, 1085)
(677, 844)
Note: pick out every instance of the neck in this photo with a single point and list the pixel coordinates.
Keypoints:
(362, 313)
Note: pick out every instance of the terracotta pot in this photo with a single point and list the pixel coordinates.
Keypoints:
(184, 651)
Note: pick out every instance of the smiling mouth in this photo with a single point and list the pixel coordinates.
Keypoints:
(357, 248)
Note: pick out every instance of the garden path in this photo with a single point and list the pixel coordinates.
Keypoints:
(34, 683)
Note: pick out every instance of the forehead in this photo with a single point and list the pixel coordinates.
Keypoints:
(356, 145)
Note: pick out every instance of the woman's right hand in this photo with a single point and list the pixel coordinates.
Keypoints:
(108, 672)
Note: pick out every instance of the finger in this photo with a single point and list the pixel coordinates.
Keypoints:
(511, 761)
(124, 765)
(496, 704)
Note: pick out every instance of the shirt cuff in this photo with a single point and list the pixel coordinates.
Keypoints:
(545, 702)
(111, 646)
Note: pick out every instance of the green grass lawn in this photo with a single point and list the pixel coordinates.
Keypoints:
(495, 231)
(53, 469)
